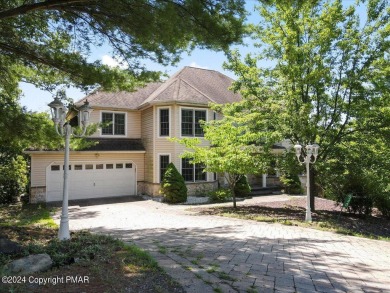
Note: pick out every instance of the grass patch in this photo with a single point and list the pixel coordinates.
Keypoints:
(195, 262)
(212, 269)
(188, 268)
(136, 259)
(109, 264)
(251, 290)
(162, 249)
(20, 215)
(224, 276)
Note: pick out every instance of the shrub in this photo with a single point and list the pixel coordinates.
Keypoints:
(220, 195)
(173, 187)
(82, 246)
(13, 179)
(291, 184)
(242, 188)
(382, 202)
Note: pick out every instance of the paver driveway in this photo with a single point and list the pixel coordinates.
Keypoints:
(215, 254)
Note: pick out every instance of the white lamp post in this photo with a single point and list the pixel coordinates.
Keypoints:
(311, 151)
(64, 129)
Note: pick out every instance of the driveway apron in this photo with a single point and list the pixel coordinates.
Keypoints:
(216, 254)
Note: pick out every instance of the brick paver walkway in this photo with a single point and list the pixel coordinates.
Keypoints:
(215, 254)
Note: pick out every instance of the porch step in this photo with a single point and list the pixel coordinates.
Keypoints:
(269, 190)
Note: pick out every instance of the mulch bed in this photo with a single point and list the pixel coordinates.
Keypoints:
(327, 211)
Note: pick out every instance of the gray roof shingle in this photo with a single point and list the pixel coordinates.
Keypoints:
(116, 144)
(195, 85)
(189, 85)
(122, 99)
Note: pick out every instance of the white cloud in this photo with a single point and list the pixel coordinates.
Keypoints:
(113, 62)
(194, 64)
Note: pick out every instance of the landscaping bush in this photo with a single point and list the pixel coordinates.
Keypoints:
(383, 203)
(291, 183)
(13, 179)
(220, 195)
(242, 188)
(173, 187)
(290, 168)
(362, 187)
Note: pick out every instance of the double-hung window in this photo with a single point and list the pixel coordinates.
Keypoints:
(190, 122)
(192, 172)
(164, 162)
(164, 122)
(114, 123)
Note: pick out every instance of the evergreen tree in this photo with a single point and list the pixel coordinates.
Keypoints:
(173, 187)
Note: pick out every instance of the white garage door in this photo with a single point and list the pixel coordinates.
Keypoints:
(91, 180)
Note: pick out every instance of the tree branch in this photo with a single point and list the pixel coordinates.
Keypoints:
(46, 5)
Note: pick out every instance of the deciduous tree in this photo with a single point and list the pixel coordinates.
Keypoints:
(328, 70)
(232, 147)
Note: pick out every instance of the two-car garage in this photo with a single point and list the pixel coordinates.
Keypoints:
(91, 179)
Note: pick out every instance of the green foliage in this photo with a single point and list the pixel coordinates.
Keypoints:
(359, 166)
(291, 184)
(82, 246)
(242, 188)
(220, 195)
(327, 76)
(234, 148)
(13, 178)
(48, 43)
(22, 215)
(289, 169)
(173, 186)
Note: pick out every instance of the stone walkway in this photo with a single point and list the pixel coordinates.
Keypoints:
(215, 254)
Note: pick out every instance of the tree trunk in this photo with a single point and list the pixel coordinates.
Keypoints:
(313, 189)
(234, 199)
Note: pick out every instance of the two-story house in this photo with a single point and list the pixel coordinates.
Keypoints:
(133, 149)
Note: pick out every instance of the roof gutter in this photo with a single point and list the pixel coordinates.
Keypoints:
(81, 152)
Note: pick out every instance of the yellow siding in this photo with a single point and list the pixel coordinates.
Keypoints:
(39, 162)
(134, 124)
(95, 118)
(147, 130)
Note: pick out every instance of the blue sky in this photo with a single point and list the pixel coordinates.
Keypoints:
(36, 100)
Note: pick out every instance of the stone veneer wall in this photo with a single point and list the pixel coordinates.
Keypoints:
(146, 188)
(194, 189)
(201, 189)
(37, 194)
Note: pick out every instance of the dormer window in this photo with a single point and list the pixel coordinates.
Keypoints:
(114, 123)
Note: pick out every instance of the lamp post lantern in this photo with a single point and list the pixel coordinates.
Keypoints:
(311, 151)
(63, 128)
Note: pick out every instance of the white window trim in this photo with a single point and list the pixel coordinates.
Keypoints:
(159, 124)
(195, 109)
(193, 179)
(112, 135)
(159, 163)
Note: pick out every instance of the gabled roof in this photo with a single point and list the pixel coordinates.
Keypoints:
(196, 86)
(189, 85)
